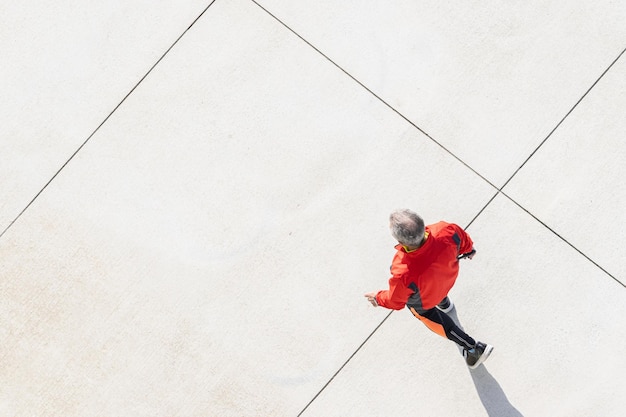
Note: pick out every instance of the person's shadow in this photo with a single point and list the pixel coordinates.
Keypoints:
(489, 391)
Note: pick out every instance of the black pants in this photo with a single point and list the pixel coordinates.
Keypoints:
(443, 325)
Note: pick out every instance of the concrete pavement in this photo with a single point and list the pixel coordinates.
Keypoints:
(195, 199)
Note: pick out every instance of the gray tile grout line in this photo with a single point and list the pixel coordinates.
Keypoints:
(498, 190)
(344, 364)
(563, 239)
(406, 119)
(564, 118)
(104, 121)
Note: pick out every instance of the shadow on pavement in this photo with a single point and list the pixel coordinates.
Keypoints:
(489, 391)
(491, 395)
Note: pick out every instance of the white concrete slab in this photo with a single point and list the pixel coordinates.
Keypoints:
(575, 183)
(207, 251)
(487, 80)
(554, 318)
(65, 66)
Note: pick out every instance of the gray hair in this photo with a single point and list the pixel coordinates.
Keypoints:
(407, 227)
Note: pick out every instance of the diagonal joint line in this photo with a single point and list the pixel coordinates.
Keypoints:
(405, 118)
(564, 118)
(344, 364)
(104, 121)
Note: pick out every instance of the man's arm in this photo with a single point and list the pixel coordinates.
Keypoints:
(466, 246)
(394, 298)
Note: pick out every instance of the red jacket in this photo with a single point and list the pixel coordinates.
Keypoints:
(428, 272)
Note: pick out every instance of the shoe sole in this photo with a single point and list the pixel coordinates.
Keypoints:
(483, 357)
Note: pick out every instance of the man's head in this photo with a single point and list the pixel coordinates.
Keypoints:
(407, 227)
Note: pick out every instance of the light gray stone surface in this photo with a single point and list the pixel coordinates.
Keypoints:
(488, 80)
(576, 183)
(65, 66)
(206, 252)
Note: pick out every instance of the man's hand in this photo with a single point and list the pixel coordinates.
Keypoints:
(371, 297)
(468, 255)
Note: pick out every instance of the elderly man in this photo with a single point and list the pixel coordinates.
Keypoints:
(423, 271)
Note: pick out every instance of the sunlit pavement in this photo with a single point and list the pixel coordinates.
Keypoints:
(195, 198)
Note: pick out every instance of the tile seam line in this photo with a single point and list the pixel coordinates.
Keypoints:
(571, 245)
(345, 364)
(571, 110)
(498, 189)
(81, 146)
(548, 228)
(501, 189)
(380, 99)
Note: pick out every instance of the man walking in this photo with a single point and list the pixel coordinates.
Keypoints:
(423, 271)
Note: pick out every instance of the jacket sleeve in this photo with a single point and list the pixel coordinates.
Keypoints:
(396, 296)
(466, 245)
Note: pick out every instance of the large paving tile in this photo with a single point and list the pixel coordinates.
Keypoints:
(553, 317)
(488, 80)
(65, 66)
(575, 182)
(207, 251)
